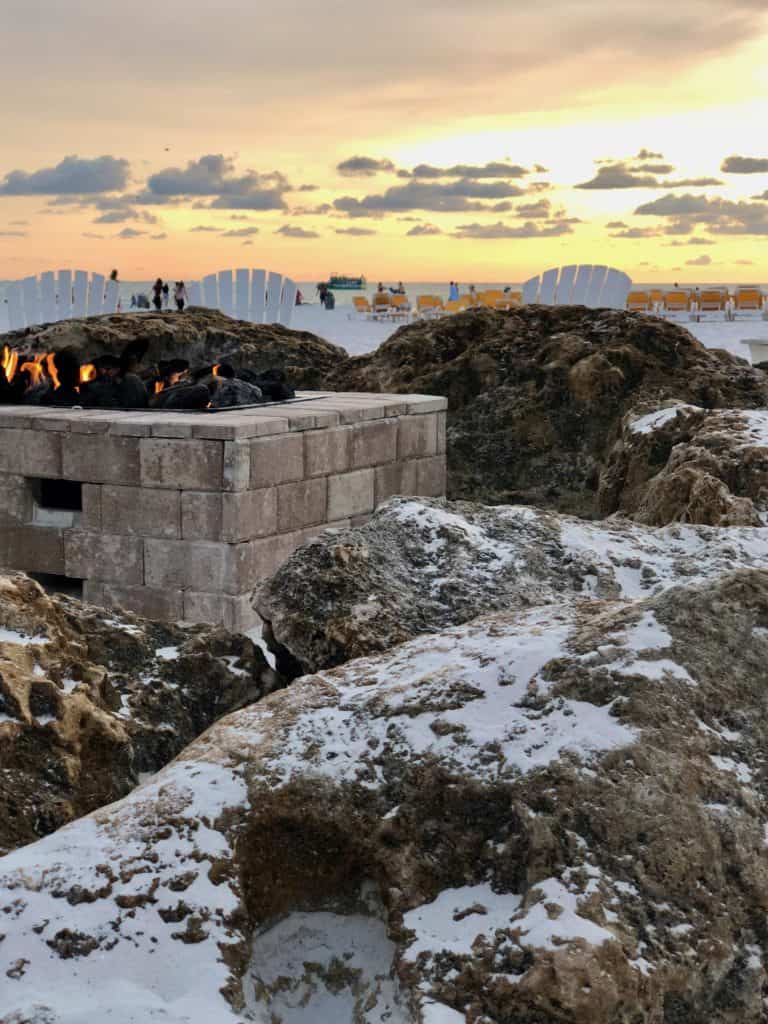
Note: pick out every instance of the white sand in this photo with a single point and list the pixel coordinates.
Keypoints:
(358, 336)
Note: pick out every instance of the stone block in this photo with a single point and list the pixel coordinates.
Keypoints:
(91, 423)
(417, 437)
(442, 425)
(276, 460)
(232, 426)
(133, 425)
(34, 549)
(350, 494)
(360, 520)
(15, 500)
(110, 557)
(141, 511)
(425, 403)
(186, 564)
(431, 477)
(31, 453)
(301, 504)
(373, 443)
(201, 515)
(327, 451)
(249, 514)
(90, 516)
(179, 464)
(93, 592)
(237, 465)
(99, 458)
(397, 478)
(164, 605)
(234, 612)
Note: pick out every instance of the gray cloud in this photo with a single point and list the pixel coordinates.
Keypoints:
(528, 230)
(636, 233)
(721, 216)
(648, 154)
(456, 196)
(699, 261)
(493, 169)
(363, 167)
(73, 175)
(309, 211)
(744, 165)
(200, 228)
(129, 233)
(423, 230)
(308, 188)
(294, 231)
(214, 175)
(91, 234)
(121, 214)
(159, 238)
(542, 208)
(689, 241)
(240, 232)
(654, 168)
(13, 234)
(619, 176)
(618, 224)
(355, 232)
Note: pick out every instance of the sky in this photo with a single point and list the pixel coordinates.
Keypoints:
(483, 140)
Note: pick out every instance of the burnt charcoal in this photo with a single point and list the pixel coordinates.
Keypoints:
(101, 393)
(133, 355)
(131, 392)
(63, 397)
(226, 371)
(235, 392)
(182, 396)
(39, 394)
(272, 383)
(67, 367)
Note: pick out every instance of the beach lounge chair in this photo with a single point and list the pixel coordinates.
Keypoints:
(362, 307)
(510, 300)
(428, 306)
(639, 302)
(381, 304)
(710, 303)
(566, 280)
(748, 300)
(657, 299)
(490, 297)
(399, 307)
(676, 303)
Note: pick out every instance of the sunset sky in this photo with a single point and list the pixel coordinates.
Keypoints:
(479, 140)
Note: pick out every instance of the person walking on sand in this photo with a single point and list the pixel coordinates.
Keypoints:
(180, 295)
(157, 292)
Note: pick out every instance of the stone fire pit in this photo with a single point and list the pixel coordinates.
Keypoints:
(178, 516)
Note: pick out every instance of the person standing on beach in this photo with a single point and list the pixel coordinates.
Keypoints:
(180, 295)
(472, 295)
(166, 295)
(157, 291)
(453, 291)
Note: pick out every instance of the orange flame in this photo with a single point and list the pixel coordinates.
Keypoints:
(87, 372)
(35, 369)
(10, 361)
(39, 367)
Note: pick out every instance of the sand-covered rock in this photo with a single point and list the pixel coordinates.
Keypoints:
(554, 816)
(685, 464)
(536, 396)
(420, 565)
(202, 336)
(92, 700)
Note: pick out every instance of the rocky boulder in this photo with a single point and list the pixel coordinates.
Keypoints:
(202, 336)
(420, 565)
(690, 465)
(555, 816)
(537, 395)
(91, 701)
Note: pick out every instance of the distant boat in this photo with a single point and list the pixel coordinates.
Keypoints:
(350, 283)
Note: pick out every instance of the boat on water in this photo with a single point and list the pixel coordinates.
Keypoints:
(350, 283)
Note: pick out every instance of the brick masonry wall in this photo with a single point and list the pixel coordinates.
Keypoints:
(184, 514)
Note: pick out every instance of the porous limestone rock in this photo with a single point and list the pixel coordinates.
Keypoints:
(92, 700)
(420, 565)
(555, 816)
(685, 464)
(202, 336)
(536, 395)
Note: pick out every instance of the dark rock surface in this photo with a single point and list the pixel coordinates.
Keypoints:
(90, 700)
(419, 566)
(201, 336)
(537, 395)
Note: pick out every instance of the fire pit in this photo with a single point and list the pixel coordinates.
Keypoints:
(179, 516)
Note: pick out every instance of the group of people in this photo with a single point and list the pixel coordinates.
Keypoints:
(161, 291)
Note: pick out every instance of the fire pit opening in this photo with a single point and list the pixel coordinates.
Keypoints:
(54, 583)
(58, 494)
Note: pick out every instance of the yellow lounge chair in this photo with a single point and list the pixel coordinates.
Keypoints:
(510, 300)
(381, 305)
(747, 299)
(677, 301)
(639, 302)
(428, 305)
(399, 307)
(362, 306)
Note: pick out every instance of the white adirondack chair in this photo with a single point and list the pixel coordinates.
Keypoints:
(582, 285)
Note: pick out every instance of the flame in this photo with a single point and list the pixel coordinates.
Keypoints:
(216, 369)
(40, 367)
(10, 361)
(161, 386)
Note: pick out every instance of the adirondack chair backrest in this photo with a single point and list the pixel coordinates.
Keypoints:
(61, 295)
(583, 285)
